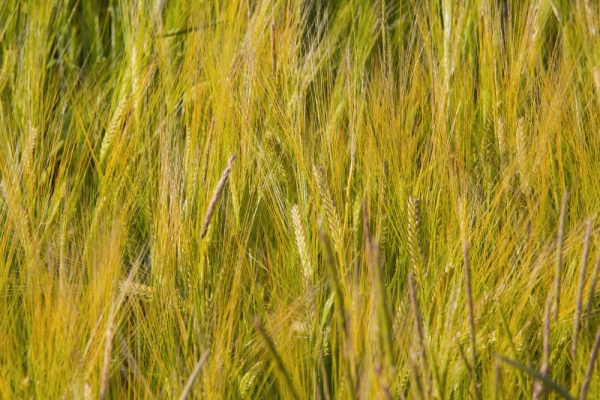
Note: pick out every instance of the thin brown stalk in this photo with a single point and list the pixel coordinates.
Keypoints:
(588, 309)
(415, 370)
(187, 390)
(463, 356)
(590, 368)
(560, 238)
(472, 336)
(419, 330)
(546, 352)
(539, 392)
(577, 317)
(216, 196)
(273, 48)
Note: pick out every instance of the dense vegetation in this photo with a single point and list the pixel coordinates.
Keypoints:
(299, 199)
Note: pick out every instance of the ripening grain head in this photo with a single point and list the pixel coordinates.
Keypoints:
(212, 205)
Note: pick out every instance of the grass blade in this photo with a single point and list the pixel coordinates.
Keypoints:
(537, 375)
(577, 316)
(258, 326)
(187, 390)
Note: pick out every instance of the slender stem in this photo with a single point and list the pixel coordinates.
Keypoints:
(278, 361)
(471, 318)
(590, 368)
(577, 317)
(187, 390)
(560, 238)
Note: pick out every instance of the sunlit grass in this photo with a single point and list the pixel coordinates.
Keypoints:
(412, 211)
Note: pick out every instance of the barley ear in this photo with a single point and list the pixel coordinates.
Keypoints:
(333, 218)
(248, 380)
(137, 289)
(216, 196)
(114, 125)
(28, 158)
(415, 250)
(501, 139)
(301, 243)
(521, 156)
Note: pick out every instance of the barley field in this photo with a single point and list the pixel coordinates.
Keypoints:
(299, 199)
